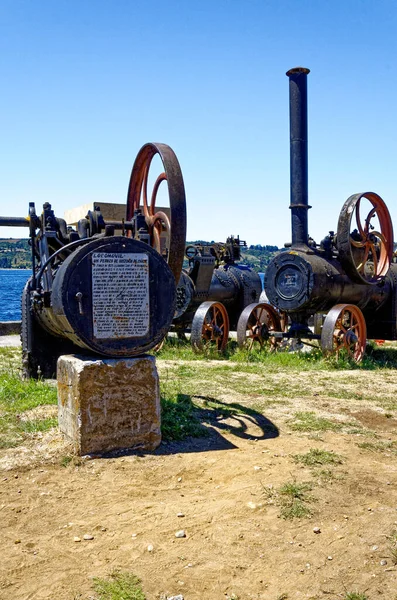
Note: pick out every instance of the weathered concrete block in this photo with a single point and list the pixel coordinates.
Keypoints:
(108, 404)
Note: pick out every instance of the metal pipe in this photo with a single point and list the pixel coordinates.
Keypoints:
(120, 225)
(298, 155)
(14, 221)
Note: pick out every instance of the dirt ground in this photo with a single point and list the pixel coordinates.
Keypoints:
(222, 491)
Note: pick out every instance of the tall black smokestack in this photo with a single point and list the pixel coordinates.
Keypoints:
(298, 154)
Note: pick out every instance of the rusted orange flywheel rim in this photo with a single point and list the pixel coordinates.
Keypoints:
(255, 325)
(376, 246)
(344, 329)
(158, 221)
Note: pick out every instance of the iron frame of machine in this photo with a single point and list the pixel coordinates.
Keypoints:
(309, 279)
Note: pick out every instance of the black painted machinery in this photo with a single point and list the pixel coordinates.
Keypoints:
(347, 282)
(213, 292)
(107, 288)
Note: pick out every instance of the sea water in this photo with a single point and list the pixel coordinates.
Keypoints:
(12, 282)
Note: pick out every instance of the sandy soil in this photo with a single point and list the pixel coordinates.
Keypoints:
(236, 546)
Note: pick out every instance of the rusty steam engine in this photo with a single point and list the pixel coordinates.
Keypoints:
(213, 292)
(107, 288)
(348, 281)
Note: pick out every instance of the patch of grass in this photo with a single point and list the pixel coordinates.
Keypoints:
(293, 499)
(18, 396)
(375, 358)
(186, 411)
(305, 361)
(383, 447)
(355, 596)
(357, 431)
(292, 489)
(309, 421)
(344, 394)
(10, 360)
(182, 417)
(178, 413)
(65, 461)
(176, 349)
(325, 475)
(316, 457)
(119, 586)
(362, 431)
(9, 352)
(384, 357)
(37, 425)
(233, 375)
(185, 371)
(388, 404)
(179, 419)
(8, 439)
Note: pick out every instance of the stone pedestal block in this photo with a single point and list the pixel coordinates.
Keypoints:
(109, 404)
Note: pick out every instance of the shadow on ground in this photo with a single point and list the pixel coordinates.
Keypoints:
(214, 417)
(196, 424)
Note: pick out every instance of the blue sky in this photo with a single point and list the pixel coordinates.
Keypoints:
(86, 84)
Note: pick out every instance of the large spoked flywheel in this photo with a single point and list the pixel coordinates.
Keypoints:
(167, 231)
(365, 238)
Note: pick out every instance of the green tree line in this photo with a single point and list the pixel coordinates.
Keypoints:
(15, 254)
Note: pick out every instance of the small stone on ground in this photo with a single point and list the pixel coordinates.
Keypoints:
(180, 534)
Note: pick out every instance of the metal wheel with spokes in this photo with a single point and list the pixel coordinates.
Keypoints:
(365, 238)
(255, 325)
(210, 327)
(157, 221)
(344, 329)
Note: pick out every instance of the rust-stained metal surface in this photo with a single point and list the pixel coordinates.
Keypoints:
(365, 238)
(256, 324)
(137, 198)
(349, 274)
(214, 274)
(210, 327)
(344, 329)
(106, 287)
